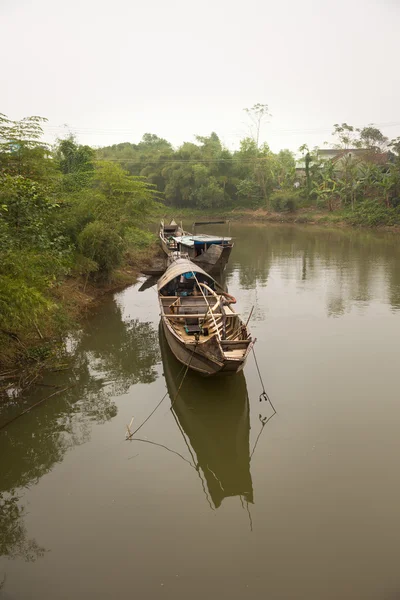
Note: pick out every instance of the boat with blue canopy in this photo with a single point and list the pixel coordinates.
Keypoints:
(211, 252)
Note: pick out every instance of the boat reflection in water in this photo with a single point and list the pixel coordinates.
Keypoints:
(213, 415)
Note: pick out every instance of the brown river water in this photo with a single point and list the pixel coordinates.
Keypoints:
(210, 502)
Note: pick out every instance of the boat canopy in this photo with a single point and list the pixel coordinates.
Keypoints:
(194, 240)
(179, 267)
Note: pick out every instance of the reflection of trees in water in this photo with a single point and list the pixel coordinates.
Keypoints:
(109, 356)
(14, 541)
(126, 352)
(360, 265)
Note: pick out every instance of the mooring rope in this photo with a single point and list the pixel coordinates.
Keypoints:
(263, 396)
(193, 464)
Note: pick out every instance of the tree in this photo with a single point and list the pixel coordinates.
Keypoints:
(27, 209)
(388, 182)
(308, 159)
(372, 138)
(22, 150)
(347, 136)
(255, 171)
(257, 114)
(200, 175)
(76, 163)
(394, 146)
(348, 180)
(285, 168)
(326, 187)
(122, 200)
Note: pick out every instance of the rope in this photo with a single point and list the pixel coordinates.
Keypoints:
(264, 421)
(263, 396)
(166, 448)
(194, 465)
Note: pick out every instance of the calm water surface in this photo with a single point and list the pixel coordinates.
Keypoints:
(197, 508)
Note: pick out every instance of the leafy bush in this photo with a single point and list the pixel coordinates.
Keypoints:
(26, 276)
(20, 304)
(371, 213)
(83, 265)
(249, 193)
(139, 238)
(101, 244)
(283, 201)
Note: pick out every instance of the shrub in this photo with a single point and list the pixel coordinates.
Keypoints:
(101, 244)
(282, 201)
(138, 238)
(371, 213)
(20, 304)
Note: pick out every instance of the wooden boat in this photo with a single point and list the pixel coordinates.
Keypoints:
(201, 328)
(216, 422)
(211, 252)
(167, 234)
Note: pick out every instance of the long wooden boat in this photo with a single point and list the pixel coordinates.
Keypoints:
(167, 233)
(211, 252)
(201, 328)
(216, 421)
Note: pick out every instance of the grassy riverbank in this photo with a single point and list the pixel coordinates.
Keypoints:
(368, 215)
(25, 354)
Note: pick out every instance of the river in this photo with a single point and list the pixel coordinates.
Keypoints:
(217, 499)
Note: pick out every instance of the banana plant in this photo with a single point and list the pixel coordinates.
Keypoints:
(325, 188)
(388, 182)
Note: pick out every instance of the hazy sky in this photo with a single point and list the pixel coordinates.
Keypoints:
(114, 70)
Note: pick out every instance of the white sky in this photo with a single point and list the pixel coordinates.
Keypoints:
(115, 70)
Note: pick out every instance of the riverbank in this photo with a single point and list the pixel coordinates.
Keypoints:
(26, 354)
(362, 217)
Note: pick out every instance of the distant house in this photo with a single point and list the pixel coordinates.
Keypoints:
(335, 154)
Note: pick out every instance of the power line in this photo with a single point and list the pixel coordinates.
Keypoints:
(115, 131)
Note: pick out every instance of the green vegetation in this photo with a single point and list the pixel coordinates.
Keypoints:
(63, 213)
(75, 212)
(205, 175)
(363, 167)
(360, 179)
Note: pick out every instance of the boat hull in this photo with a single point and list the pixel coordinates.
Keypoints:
(201, 358)
(214, 259)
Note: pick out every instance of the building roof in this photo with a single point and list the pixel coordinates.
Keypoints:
(323, 151)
